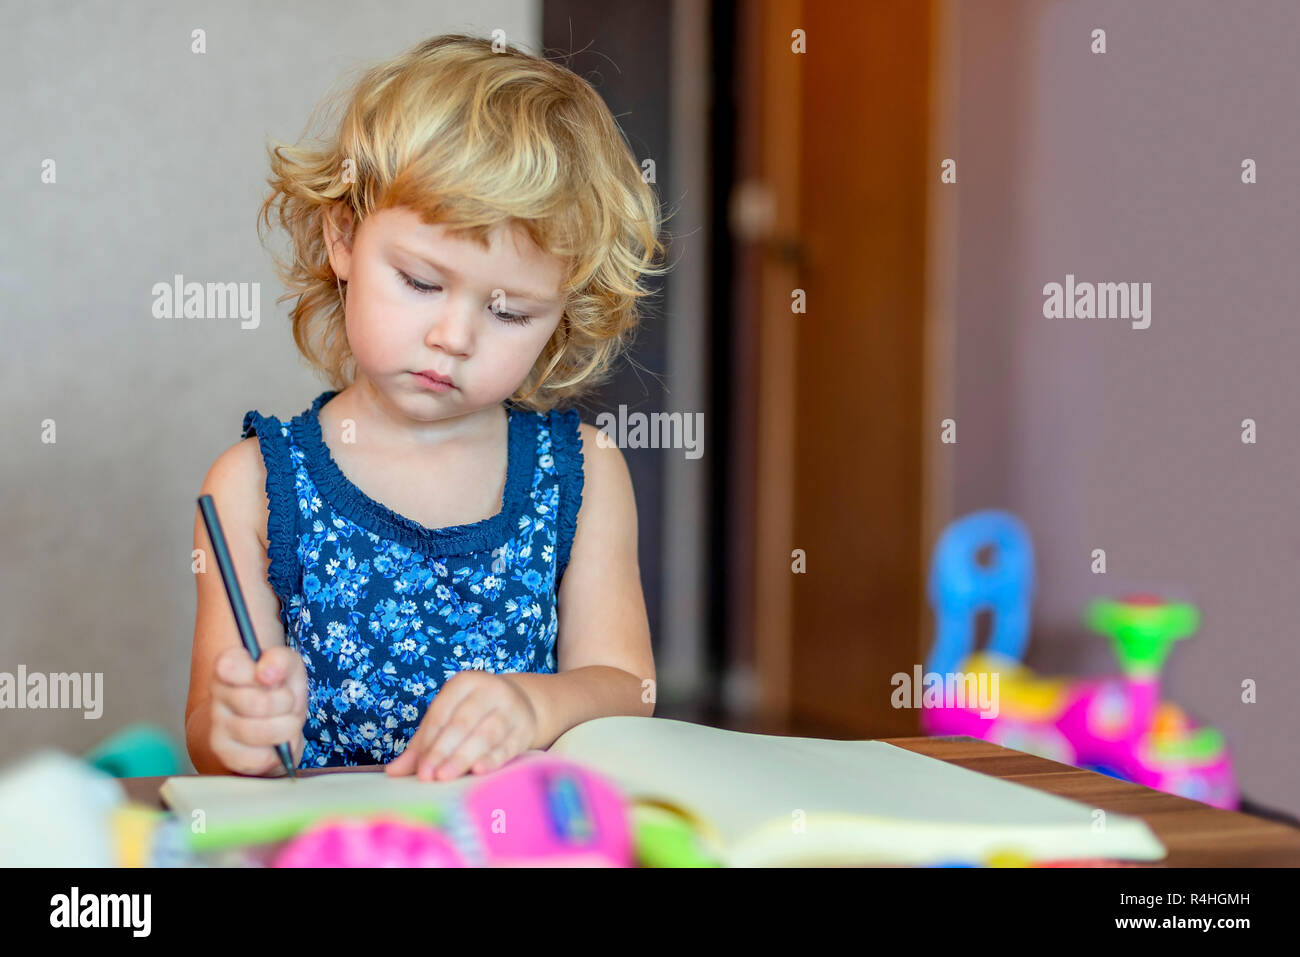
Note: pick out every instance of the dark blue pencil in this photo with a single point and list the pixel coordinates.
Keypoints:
(236, 596)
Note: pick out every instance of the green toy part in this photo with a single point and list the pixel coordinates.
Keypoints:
(1142, 629)
(1200, 747)
(666, 838)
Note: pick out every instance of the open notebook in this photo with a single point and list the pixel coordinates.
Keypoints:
(778, 801)
(766, 800)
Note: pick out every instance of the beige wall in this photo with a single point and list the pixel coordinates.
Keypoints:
(1125, 166)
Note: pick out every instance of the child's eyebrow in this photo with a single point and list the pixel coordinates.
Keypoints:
(513, 294)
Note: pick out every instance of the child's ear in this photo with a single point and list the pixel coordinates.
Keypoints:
(337, 226)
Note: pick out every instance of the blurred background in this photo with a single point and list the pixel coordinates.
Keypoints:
(838, 307)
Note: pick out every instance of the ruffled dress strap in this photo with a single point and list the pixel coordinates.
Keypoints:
(281, 497)
(566, 443)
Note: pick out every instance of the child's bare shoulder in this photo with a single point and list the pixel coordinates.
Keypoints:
(606, 481)
(237, 483)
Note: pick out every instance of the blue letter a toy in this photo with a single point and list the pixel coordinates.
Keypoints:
(960, 587)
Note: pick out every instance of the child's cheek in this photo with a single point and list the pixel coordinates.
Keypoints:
(377, 344)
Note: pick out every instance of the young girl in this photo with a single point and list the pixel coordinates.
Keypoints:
(451, 560)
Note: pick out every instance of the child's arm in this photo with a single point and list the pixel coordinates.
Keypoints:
(225, 689)
(606, 665)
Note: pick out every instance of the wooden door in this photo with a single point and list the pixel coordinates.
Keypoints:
(831, 210)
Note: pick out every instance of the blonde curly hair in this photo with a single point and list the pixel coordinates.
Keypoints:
(475, 137)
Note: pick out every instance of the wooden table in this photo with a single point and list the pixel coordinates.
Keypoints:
(1195, 834)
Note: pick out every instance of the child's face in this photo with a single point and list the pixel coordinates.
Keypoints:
(455, 328)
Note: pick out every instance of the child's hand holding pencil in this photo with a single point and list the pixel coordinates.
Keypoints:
(258, 697)
(257, 705)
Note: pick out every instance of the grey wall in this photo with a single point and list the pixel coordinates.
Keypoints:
(161, 167)
(1126, 166)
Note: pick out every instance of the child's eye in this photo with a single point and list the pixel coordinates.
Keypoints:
(512, 317)
(417, 286)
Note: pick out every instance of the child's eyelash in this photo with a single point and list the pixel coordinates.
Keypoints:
(417, 286)
(514, 318)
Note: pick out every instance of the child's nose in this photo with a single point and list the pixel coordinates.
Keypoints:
(452, 329)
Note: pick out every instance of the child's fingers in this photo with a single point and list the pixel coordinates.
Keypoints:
(462, 722)
(406, 762)
(494, 758)
(235, 667)
(242, 759)
(265, 732)
(276, 663)
(444, 703)
(457, 688)
(465, 687)
(256, 702)
(261, 732)
(414, 759)
(490, 731)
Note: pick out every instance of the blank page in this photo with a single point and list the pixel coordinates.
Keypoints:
(782, 800)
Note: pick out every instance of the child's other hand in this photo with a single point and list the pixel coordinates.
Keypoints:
(257, 705)
(477, 722)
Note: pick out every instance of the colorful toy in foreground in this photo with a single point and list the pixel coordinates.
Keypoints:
(536, 811)
(548, 812)
(1115, 725)
(371, 842)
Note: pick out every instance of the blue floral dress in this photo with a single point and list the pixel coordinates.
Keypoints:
(384, 610)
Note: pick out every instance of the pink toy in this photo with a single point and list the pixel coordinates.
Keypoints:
(1115, 725)
(536, 811)
(373, 842)
(543, 811)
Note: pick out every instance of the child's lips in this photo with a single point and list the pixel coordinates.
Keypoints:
(433, 380)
